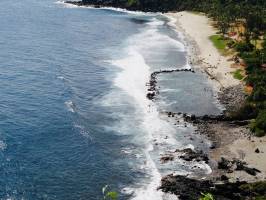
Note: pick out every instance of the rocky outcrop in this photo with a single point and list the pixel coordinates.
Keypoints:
(190, 189)
(191, 155)
(238, 165)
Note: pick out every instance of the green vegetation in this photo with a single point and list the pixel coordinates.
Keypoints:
(244, 47)
(238, 74)
(258, 126)
(109, 195)
(206, 196)
(219, 42)
(260, 198)
(132, 3)
(258, 188)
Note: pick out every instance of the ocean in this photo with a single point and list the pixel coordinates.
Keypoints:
(74, 116)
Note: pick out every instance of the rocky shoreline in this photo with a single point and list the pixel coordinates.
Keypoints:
(236, 179)
(222, 182)
(222, 131)
(188, 188)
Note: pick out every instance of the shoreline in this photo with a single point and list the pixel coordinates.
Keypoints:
(231, 141)
(203, 53)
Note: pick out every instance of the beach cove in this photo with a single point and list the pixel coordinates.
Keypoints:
(102, 98)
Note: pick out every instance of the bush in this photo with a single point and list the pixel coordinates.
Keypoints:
(238, 74)
(207, 196)
(258, 126)
(109, 195)
(231, 44)
(244, 47)
(258, 188)
(245, 112)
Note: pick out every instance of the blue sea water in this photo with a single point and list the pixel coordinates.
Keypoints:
(73, 109)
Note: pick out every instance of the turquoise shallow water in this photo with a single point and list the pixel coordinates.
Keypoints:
(73, 111)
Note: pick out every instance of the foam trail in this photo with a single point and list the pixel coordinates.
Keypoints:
(68, 5)
(133, 78)
(70, 106)
(134, 75)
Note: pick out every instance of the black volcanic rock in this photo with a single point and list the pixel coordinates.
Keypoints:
(190, 189)
(190, 155)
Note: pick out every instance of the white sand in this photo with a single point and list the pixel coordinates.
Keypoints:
(244, 149)
(199, 29)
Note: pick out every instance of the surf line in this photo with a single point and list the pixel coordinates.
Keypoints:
(153, 89)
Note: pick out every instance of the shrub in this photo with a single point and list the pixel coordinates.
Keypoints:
(244, 47)
(109, 195)
(258, 188)
(246, 111)
(258, 126)
(238, 74)
(206, 196)
(231, 44)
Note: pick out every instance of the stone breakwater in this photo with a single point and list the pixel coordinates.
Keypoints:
(153, 89)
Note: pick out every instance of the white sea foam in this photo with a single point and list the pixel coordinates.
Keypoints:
(134, 75)
(156, 22)
(172, 22)
(155, 40)
(70, 106)
(61, 77)
(3, 145)
(125, 11)
(132, 80)
(68, 5)
(83, 131)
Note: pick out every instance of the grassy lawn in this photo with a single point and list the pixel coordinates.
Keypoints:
(238, 74)
(218, 42)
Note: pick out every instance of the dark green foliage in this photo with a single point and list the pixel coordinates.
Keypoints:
(258, 126)
(256, 187)
(253, 60)
(244, 47)
(228, 9)
(247, 111)
(231, 44)
(207, 196)
(255, 107)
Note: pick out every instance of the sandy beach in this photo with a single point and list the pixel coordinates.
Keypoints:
(198, 28)
(231, 141)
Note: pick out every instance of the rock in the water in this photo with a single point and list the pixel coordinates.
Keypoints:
(167, 158)
(190, 155)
